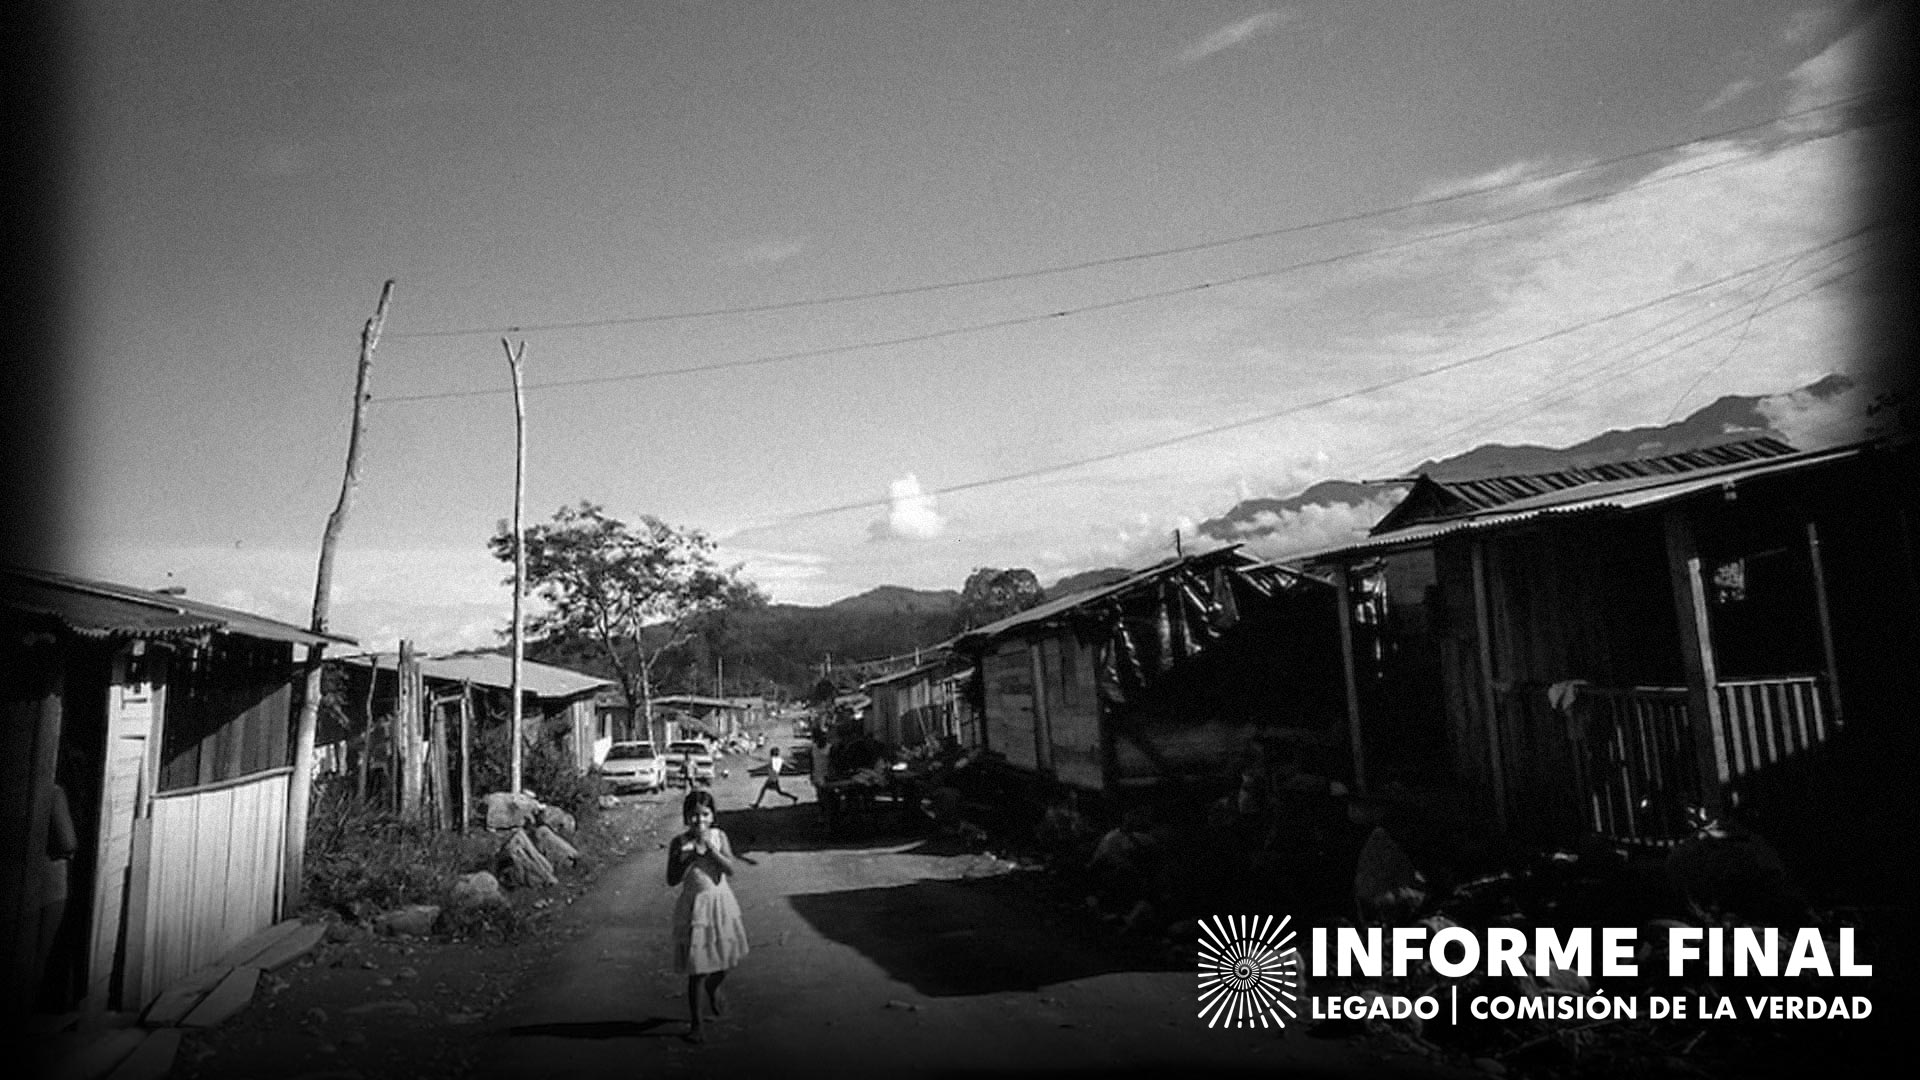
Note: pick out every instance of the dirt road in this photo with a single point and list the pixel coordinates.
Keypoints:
(872, 957)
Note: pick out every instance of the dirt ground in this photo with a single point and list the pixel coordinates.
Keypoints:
(365, 1005)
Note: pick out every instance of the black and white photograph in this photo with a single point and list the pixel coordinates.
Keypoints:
(951, 538)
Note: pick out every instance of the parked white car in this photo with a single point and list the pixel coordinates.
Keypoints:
(634, 766)
(694, 750)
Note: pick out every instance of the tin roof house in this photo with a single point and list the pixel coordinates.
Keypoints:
(1596, 651)
(146, 765)
(1167, 674)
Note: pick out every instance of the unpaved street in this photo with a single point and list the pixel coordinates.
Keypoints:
(871, 958)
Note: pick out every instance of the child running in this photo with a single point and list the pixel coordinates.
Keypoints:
(708, 936)
(772, 782)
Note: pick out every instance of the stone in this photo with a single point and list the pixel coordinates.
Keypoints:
(553, 817)
(478, 889)
(557, 851)
(507, 810)
(414, 920)
(522, 864)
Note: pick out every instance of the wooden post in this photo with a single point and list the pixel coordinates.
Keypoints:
(1347, 663)
(406, 721)
(514, 358)
(1696, 653)
(300, 785)
(466, 754)
(442, 797)
(366, 734)
(1825, 611)
(1483, 629)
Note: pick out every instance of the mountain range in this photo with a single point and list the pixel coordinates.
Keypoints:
(788, 647)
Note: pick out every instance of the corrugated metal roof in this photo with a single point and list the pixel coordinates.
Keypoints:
(944, 663)
(704, 702)
(1434, 499)
(1611, 496)
(496, 672)
(1036, 616)
(99, 609)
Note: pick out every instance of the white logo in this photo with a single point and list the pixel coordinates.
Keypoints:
(1249, 971)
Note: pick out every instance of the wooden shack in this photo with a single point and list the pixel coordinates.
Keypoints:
(556, 703)
(920, 705)
(165, 726)
(1169, 673)
(1597, 655)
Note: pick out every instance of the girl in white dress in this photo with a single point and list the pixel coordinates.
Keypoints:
(708, 936)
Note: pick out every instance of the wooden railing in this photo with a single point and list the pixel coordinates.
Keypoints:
(1764, 721)
(1640, 761)
(1641, 766)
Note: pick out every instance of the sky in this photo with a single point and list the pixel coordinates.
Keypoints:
(879, 293)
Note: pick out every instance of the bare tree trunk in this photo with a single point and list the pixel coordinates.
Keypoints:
(514, 357)
(466, 754)
(366, 733)
(441, 775)
(406, 719)
(300, 784)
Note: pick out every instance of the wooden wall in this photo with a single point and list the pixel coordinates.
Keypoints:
(134, 705)
(30, 722)
(1067, 672)
(214, 875)
(1008, 675)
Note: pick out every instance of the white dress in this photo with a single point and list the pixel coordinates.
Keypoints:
(708, 934)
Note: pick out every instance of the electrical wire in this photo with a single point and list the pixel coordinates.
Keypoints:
(1105, 305)
(1290, 410)
(1140, 256)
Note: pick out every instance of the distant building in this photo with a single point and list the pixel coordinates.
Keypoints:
(1167, 674)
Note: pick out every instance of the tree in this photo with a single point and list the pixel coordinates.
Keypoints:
(990, 595)
(637, 592)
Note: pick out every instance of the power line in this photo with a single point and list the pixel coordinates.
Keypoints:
(1104, 305)
(1120, 260)
(1486, 423)
(1266, 417)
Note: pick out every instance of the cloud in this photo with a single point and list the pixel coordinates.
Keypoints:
(772, 252)
(1858, 61)
(1728, 94)
(1235, 34)
(1312, 528)
(911, 513)
(1506, 175)
(1812, 423)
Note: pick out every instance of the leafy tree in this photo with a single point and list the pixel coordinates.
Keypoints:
(637, 592)
(991, 594)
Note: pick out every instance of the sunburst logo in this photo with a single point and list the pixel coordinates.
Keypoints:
(1249, 971)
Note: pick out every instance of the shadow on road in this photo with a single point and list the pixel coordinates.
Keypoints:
(803, 827)
(969, 936)
(653, 1027)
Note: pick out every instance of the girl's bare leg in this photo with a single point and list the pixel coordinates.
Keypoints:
(716, 1004)
(695, 1032)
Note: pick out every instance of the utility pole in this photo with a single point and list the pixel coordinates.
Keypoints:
(1177, 553)
(300, 784)
(514, 358)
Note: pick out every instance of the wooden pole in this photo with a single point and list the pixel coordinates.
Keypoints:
(1351, 682)
(366, 735)
(439, 774)
(1489, 687)
(466, 754)
(514, 358)
(406, 719)
(300, 785)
